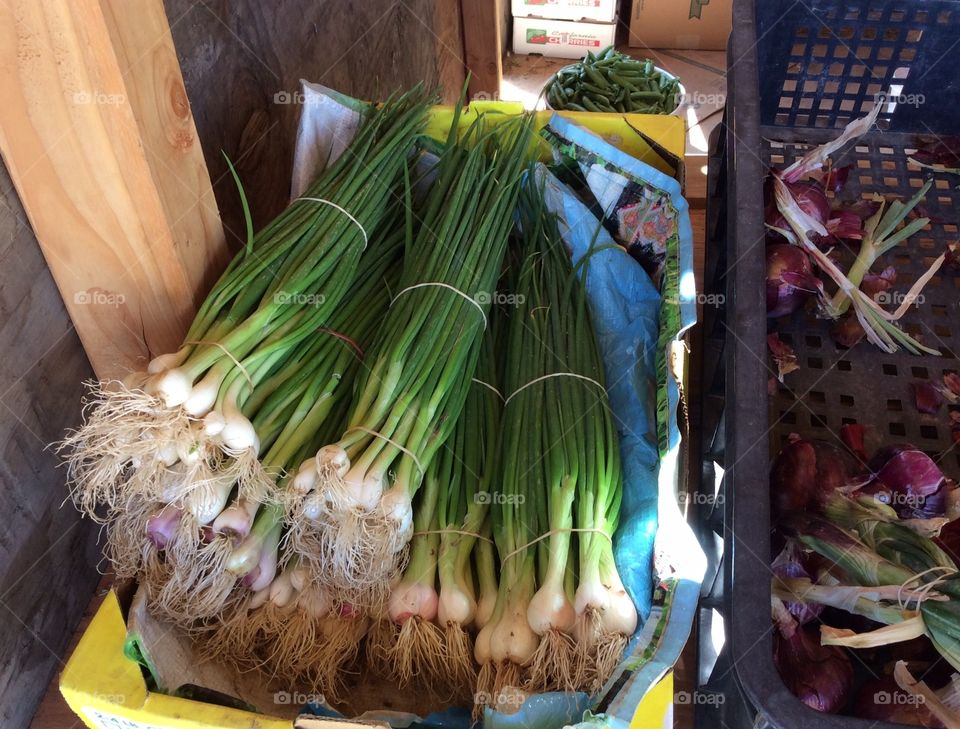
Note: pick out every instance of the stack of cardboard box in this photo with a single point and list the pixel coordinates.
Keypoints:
(681, 24)
(563, 28)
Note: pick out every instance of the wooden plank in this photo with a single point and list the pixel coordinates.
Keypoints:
(76, 150)
(242, 61)
(483, 44)
(48, 556)
(154, 86)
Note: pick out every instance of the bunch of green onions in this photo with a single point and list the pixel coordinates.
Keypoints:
(562, 616)
(357, 518)
(188, 419)
(423, 633)
(188, 482)
(192, 561)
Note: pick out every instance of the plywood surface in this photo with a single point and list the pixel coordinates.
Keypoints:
(242, 62)
(48, 556)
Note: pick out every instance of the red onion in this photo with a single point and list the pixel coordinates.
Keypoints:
(790, 279)
(806, 472)
(914, 480)
(881, 699)
(812, 199)
(847, 330)
(906, 469)
(820, 676)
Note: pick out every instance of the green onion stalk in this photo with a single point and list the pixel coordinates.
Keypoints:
(485, 567)
(359, 518)
(407, 643)
(422, 634)
(190, 407)
(506, 642)
(468, 468)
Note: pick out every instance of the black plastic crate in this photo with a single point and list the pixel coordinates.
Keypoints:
(797, 73)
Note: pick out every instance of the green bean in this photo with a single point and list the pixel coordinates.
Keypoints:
(595, 76)
(608, 81)
(592, 88)
(626, 83)
(602, 103)
(590, 106)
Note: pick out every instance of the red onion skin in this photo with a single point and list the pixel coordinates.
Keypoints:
(877, 283)
(845, 224)
(952, 381)
(906, 469)
(820, 676)
(854, 438)
(806, 472)
(837, 178)
(782, 297)
(927, 397)
(791, 562)
(812, 199)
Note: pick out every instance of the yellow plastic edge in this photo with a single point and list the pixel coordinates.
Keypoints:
(656, 708)
(667, 131)
(100, 680)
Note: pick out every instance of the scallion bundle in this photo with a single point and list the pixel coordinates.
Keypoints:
(358, 519)
(187, 420)
(191, 561)
(562, 616)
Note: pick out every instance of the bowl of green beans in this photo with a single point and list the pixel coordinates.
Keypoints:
(613, 82)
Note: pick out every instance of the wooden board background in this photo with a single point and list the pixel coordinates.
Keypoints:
(48, 556)
(243, 59)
